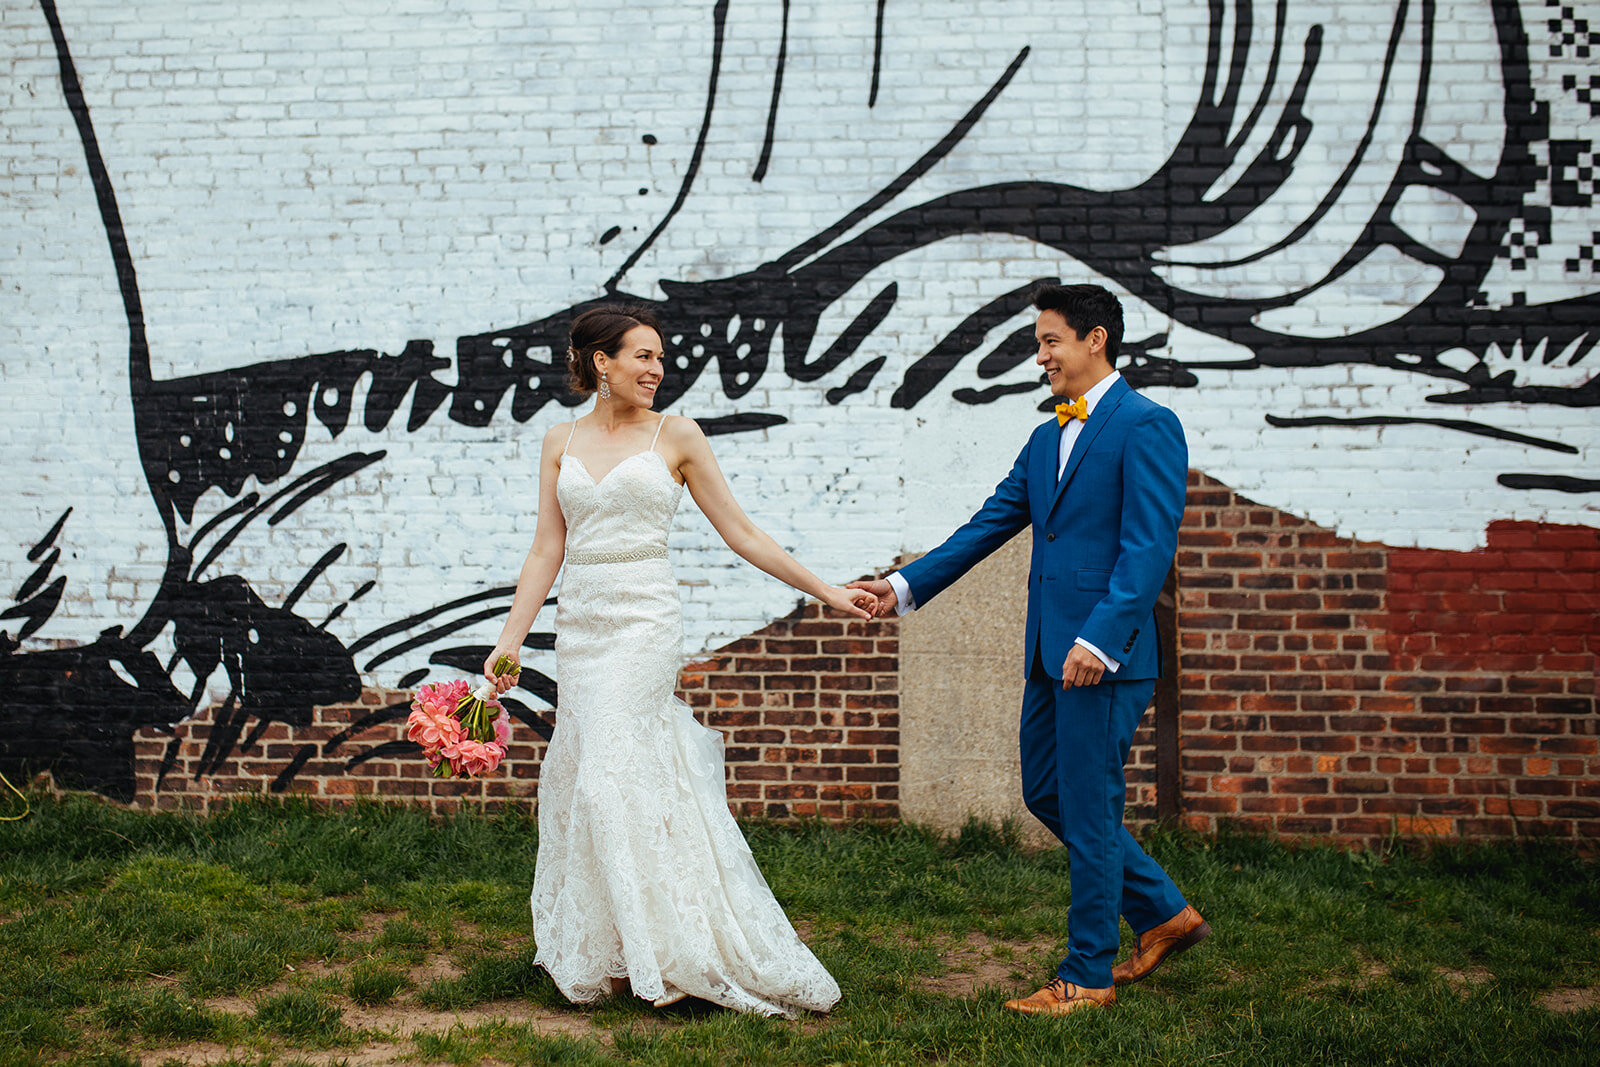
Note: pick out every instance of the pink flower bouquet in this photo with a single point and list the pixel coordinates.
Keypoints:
(463, 732)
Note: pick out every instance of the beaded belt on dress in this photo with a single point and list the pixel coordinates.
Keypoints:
(632, 555)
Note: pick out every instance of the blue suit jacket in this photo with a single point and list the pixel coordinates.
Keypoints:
(1103, 535)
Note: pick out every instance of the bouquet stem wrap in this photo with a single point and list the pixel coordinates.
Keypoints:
(463, 731)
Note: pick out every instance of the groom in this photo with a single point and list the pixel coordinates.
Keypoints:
(1102, 485)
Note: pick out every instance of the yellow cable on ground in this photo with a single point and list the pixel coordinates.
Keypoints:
(26, 807)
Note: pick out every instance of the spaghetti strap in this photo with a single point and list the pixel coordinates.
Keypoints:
(660, 424)
(569, 438)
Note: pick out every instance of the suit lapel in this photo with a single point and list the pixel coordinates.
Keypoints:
(1042, 471)
(1086, 436)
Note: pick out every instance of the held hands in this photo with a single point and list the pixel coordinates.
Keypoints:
(1081, 667)
(504, 681)
(882, 591)
(852, 601)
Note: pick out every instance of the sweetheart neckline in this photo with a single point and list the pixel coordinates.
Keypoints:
(597, 484)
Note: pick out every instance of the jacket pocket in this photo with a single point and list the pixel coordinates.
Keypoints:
(1094, 580)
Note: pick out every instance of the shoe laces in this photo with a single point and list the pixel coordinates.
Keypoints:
(1058, 986)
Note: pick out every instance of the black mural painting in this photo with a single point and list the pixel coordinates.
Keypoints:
(75, 710)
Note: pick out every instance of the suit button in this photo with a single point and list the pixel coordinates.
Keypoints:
(1049, 537)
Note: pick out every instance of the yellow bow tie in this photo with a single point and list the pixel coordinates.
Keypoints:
(1078, 409)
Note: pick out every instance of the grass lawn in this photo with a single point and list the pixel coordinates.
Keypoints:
(282, 934)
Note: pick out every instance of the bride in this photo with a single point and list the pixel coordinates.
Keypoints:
(642, 875)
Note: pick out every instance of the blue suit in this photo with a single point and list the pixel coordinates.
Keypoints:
(1104, 536)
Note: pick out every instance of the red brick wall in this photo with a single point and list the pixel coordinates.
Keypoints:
(1341, 688)
(1329, 687)
(810, 707)
(347, 751)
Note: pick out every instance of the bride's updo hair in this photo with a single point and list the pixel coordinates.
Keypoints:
(601, 329)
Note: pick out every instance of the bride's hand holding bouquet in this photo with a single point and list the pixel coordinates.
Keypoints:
(463, 731)
(501, 667)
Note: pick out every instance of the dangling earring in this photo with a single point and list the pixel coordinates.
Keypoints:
(605, 388)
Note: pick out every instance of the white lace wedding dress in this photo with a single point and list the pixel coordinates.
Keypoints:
(642, 873)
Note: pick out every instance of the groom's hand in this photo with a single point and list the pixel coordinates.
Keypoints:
(881, 589)
(1082, 667)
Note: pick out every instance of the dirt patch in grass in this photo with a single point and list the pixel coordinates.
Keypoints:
(399, 1022)
(372, 924)
(433, 967)
(236, 1005)
(1368, 971)
(403, 1020)
(1569, 999)
(977, 961)
(312, 969)
(1465, 980)
(196, 1052)
(201, 1053)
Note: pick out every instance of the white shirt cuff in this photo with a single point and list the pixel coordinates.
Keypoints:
(903, 600)
(1111, 664)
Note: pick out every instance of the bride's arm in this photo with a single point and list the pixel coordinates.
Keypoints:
(710, 491)
(539, 570)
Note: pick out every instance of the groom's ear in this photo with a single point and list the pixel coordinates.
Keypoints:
(1097, 342)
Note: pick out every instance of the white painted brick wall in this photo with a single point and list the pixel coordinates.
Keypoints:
(298, 179)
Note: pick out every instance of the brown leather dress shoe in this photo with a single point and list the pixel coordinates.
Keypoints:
(1184, 930)
(1061, 997)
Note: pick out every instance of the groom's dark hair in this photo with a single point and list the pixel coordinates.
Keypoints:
(1085, 307)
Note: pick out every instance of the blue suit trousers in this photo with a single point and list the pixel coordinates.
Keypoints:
(1074, 745)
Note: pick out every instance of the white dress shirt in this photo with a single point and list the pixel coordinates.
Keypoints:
(903, 600)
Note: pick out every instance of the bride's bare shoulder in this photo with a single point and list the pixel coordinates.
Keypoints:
(556, 436)
(682, 431)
